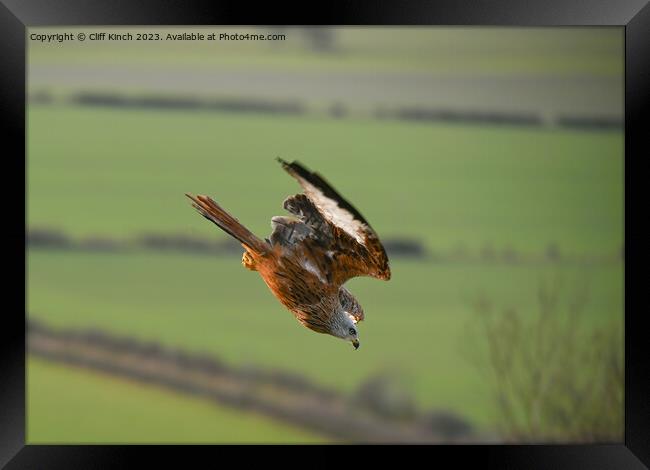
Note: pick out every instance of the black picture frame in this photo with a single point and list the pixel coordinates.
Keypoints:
(633, 15)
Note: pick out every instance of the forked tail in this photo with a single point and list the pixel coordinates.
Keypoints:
(226, 222)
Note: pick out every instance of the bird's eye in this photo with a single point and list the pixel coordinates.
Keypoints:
(353, 331)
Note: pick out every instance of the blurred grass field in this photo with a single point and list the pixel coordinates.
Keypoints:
(452, 50)
(122, 173)
(94, 171)
(415, 323)
(65, 405)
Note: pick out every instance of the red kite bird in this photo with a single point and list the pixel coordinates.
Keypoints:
(311, 254)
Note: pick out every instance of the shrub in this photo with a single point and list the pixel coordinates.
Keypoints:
(510, 255)
(554, 378)
(338, 110)
(447, 425)
(384, 397)
(553, 252)
(48, 238)
(402, 247)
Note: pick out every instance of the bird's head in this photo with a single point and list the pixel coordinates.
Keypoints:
(344, 327)
(345, 320)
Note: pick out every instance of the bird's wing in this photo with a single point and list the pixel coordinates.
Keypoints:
(341, 233)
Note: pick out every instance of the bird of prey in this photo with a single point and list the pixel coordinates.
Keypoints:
(310, 254)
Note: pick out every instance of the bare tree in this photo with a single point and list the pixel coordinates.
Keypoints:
(554, 377)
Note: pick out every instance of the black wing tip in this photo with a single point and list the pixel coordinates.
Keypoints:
(298, 170)
(294, 166)
(285, 164)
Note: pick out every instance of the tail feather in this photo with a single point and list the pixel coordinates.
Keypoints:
(216, 214)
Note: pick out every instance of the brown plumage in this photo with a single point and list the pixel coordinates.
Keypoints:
(311, 254)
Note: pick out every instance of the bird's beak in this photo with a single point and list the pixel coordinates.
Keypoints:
(355, 343)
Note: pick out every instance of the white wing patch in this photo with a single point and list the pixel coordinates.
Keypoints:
(335, 214)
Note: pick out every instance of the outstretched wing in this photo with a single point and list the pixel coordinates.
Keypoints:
(342, 233)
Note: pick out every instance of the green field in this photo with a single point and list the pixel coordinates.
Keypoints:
(121, 173)
(67, 405)
(561, 51)
(116, 173)
(415, 324)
